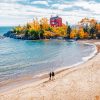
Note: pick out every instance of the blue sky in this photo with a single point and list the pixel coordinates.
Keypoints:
(15, 12)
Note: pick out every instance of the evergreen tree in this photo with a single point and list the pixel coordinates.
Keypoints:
(68, 32)
(92, 32)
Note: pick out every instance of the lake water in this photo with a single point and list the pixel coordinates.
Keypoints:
(24, 57)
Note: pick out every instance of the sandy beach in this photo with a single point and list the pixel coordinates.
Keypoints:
(78, 83)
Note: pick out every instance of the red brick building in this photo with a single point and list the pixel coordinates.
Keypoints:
(56, 21)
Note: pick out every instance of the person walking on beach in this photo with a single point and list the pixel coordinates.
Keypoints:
(53, 74)
(50, 76)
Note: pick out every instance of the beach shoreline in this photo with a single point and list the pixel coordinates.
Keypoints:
(59, 75)
(26, 79)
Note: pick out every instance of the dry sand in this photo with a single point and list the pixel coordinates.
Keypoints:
(78, 83)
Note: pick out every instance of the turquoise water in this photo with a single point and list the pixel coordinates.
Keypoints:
(24, 57)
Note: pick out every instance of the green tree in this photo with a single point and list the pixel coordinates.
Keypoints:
(34, 35)
(41, 34)
(68, 32)
(26, 33)
(92, 32)
(49, 29)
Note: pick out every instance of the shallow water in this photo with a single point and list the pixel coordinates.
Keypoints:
(24, 57)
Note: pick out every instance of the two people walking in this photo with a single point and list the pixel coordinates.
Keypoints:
(51, 75)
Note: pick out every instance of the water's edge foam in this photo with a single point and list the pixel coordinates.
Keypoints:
(44, 75)
(84, 59)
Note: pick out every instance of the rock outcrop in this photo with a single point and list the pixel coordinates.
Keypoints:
(14, 35)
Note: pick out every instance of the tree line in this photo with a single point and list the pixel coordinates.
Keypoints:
(41, 29)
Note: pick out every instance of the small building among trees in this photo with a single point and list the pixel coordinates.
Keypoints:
(56, 21)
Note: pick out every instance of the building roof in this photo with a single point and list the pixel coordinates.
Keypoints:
(55, 17)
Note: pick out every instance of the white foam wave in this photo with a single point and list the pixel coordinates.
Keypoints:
(84, 59)
(92, 54)
(40, 75)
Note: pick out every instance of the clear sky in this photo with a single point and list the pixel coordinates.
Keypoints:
(15, 12)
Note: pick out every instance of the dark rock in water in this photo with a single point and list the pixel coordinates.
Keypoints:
(14, 35)
(9, 34)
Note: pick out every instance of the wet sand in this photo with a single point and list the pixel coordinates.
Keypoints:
(77, 83)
